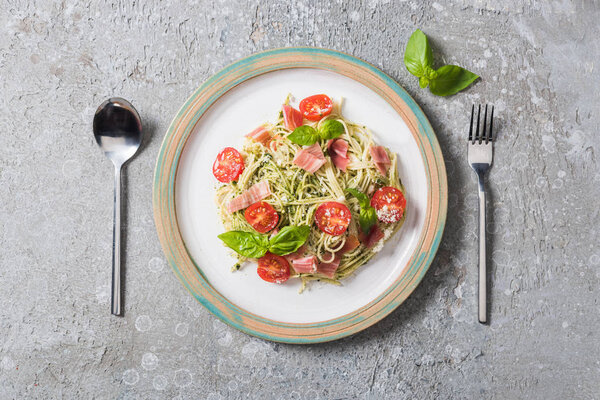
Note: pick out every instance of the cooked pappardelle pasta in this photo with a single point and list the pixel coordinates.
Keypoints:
(310, 196)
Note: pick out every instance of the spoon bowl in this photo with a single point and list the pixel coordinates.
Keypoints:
(118, 129)
(118, 132)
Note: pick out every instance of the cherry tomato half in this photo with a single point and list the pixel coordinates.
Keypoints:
(389, 203)
(273, 268)
(316, 107)
(229, 165)
(333, 218)
(262, 216)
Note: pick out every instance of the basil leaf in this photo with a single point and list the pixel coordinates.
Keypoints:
(430, 73)
(331, 129)
(451, 79)
(248, 244)
(289, 239)
(362, 198)
(367, 218)
(418, 54)
(304, 135)
(447, 80)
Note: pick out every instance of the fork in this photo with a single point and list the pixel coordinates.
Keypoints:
(480, 151)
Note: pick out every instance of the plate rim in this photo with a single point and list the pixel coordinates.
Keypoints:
(181, 128)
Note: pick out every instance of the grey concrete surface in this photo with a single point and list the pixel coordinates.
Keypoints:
(539, 63)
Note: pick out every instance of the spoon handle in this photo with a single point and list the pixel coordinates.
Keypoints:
(115, 305)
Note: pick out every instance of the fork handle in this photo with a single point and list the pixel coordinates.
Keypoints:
(482, 253)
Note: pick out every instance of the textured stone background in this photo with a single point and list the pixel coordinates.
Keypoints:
(58, 60)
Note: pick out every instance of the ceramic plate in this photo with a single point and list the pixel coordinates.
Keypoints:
(234, 102)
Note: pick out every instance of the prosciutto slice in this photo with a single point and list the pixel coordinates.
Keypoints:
(260, 135)
(338, 150)
(380, 159)
(255, 193)
(292, 118)
(310, 159)
(351, 244)
(296, 255)
(305, 265)
(374, 236)
(328, 269)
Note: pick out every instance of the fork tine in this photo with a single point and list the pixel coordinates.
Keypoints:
(491, 124)
(471, 126)
(477, 137)
(483, 136)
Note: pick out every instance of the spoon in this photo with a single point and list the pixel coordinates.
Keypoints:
(118, 132)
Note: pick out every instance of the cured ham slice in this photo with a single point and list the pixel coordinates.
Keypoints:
(296, 255)
(380, 159)
(305, 265)
(310, 158)
(260, 135)
(374, 236)
(292, 118)
(328, 269)
(351, 244)
(338, 150)
(255, 193)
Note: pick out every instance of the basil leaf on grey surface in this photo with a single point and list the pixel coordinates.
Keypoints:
(418, 54)
(428, 76)
(331, 129)
(368, 215)
(248, 244)
(450, 80)
(304, 135)
(445, 81)
(289, 239)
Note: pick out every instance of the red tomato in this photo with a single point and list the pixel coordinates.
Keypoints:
(316, 107)
(262, 216)
(389, 203)
(228, 166)
(273, 268)
(333, 218)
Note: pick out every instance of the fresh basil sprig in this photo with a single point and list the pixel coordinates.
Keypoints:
(331, 129)
(248, 244)
(255, 245)
(446, 80)
(451, 79)
(306, 135)
(368, 215)
(289, 239)
(418, 56)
